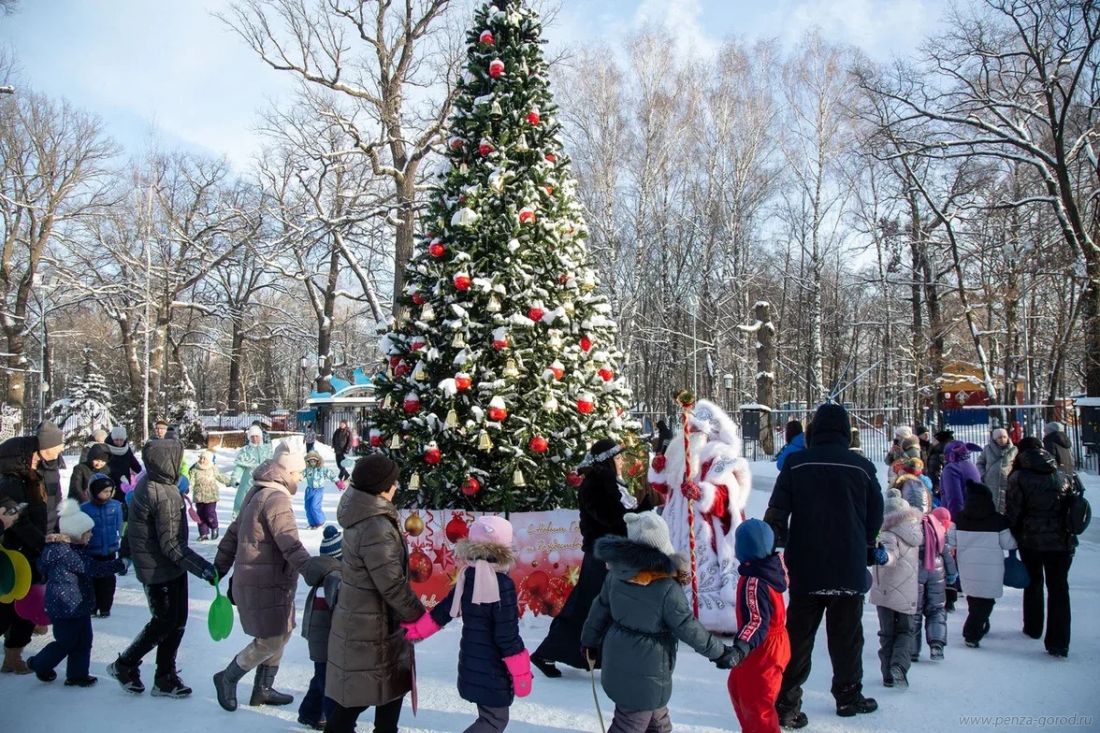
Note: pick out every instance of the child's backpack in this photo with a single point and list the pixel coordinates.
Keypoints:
(1077, 508)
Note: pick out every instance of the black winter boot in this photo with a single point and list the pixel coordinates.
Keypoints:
(225, 685)
(262, 693)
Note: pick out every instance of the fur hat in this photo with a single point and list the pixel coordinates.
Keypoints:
(894, 503)
(492, 530)
(255, 431)
(118, 433)
(332, 542)
(374, 474)
(999, 433)
(97, 452)
(902, 432)
(207, 454)
(648, 528)
(313, 458)
(753, 540)
(49, 435)
(73, 522)
(1053, 427)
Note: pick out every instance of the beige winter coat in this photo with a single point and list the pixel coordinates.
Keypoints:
(894, 585)
(262, 546)
(369, 660)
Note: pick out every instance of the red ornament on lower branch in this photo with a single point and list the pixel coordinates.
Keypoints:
(471, 486)
(539, 444)
(432, 455)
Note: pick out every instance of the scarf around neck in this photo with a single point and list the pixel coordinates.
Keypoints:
(486, 589)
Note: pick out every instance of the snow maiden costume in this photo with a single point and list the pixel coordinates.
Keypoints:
(722, 480)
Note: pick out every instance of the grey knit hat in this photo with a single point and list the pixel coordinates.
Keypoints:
(649, 528)
(49, 435)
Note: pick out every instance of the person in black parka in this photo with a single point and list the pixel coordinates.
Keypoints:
(1035, 509)
(602, 508)
(826, 510)
(95, 461)
(1056, 443)
(20, 482)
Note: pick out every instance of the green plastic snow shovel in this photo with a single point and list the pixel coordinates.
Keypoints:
(220, 618)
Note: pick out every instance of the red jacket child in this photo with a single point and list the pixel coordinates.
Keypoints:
(763, 649)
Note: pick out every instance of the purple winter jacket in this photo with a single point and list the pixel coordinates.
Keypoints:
(959, 468)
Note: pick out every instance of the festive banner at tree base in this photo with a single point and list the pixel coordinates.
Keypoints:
(547, 546)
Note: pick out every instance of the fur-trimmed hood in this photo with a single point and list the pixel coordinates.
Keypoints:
(639, 563)
(503, 558)
(905, 525)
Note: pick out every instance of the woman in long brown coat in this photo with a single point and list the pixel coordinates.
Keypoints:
(369, 660)
(262, 544)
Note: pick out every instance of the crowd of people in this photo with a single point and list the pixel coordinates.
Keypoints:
(829, 539)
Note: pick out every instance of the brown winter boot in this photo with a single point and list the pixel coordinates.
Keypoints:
(13, 662)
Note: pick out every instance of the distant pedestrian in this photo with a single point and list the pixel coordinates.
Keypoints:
(1056, 443)
(796, 441)
(995, 463)
(341, 445)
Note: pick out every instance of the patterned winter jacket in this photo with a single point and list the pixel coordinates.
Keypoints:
(69, 571)
(204, 483)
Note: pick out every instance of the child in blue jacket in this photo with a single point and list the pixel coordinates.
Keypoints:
(106, 512)
(493, 665)
(70, 599)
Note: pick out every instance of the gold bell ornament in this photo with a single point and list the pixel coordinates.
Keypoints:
(414, 482)
(517, 478)
(452, 418)
(396, 442)
(484, 442)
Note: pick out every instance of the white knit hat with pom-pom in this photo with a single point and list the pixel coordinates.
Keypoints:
(73, 522)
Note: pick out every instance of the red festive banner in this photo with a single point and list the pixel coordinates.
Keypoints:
(547, 547)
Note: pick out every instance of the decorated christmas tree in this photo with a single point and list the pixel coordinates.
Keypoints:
(506, 369)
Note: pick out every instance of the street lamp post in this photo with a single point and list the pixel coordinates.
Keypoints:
(727, 382)
(303, 365)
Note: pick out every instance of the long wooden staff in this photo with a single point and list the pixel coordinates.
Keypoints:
(687, 401)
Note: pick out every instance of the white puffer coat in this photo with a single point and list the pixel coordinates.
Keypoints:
(894, 585)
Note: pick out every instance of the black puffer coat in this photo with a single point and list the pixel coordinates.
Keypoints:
(1057, 444)
(490, 631)
(1034, 504)
(18, 484)
(826, 509)
(156, 533)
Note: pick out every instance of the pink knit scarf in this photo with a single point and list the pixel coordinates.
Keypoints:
(486, 589)
(934, 537)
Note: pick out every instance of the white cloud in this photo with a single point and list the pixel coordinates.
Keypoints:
(882, 28)
(684, 18)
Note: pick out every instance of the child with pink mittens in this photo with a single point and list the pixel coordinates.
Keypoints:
(493, 666)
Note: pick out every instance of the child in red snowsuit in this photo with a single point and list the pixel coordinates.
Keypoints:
(762, 646)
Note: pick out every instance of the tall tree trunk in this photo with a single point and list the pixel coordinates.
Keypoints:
(765, 373)
(236, 355)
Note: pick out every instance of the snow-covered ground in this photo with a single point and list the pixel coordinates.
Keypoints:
(1008, 676)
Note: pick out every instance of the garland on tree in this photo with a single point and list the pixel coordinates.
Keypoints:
(507, 368)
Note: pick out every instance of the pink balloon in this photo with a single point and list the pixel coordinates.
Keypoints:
(33, 606)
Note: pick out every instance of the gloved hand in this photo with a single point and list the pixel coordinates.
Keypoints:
(126, 563)
(730, 658)
(209, 574)
(519, 667)
(590, 654)
(881, 556)
(690, 490)
(119, 566)
(420, 629)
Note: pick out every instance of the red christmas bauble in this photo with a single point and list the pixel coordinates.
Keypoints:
(496, 68)
(432, 455)
(420, 566)
(606, 374)
(500, 344)
(536, 584)
(659, 462)
(456, 529)
(418, 298)
(535, 313)
(402, 370)
(634, 470)
(533, 117)
(539, 444)
(485, 148)
(574, 479)
(549, 190)
(462, 282)
(551, 158)
(497, 414)
(411, 405)
(526, 216)
(414, 525)
(457, 143)
(585, 406)
(556, 370)
(417, 343)
(375, 439)
(462, 381)
(471, 486)
(486, 38)
(586, 343)
(394, 361)
(437, 249)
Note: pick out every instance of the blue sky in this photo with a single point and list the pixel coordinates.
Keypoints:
(167, 70)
